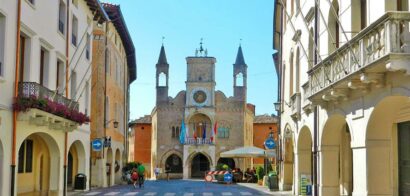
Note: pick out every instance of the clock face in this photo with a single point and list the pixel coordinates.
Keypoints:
(200, 96)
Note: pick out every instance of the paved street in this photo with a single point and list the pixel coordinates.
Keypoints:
(184, 188)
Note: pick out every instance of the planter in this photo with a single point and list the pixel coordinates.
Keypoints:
(260, 182)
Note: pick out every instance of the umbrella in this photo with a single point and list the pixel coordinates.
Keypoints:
(247, 152)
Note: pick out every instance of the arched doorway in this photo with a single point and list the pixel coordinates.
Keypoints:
(175, 163)
(109, 167)
(75, 162)
(38, 165)
(336, 158)
(388, 148)
(117, 167)
(199, 165)
(288, 159)
(304, 157)
(228, 161)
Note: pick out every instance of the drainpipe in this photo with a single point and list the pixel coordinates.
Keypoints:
(16, 81)
(67, 69)
(315, 115)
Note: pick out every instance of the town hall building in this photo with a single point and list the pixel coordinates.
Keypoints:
(201, 109)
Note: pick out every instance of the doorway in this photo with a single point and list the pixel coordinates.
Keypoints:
(200, 164)
(404, 157)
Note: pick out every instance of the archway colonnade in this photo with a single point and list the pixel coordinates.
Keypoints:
(356, 156)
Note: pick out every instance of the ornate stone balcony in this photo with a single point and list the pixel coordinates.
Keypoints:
(383, 46)
(198, 141)
(295, 105)
(42, 117)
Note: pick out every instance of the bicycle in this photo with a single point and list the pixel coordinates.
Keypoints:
(141, 180)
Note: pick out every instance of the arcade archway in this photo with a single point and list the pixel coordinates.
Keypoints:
(117, 167)
(1, 165)
(75, 162)
(199, 165)
(38, 165)
(336, 158)
(304, 157)
(109, 167)
(175, 163)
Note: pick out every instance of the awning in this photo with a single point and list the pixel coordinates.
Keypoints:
(248, 152)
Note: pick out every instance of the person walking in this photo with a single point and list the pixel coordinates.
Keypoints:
(141, 173)
(167, 170)
(156, 172)
(134, 177)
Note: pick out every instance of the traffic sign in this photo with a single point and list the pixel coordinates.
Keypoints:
(97, 145)
(228, 177)
(208, 178)
(270, 143)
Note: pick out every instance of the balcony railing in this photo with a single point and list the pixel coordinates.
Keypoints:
(386, 37)
(295, 104)
(198, 141)
(28, 89)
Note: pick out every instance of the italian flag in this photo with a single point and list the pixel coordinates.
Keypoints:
(214, 132)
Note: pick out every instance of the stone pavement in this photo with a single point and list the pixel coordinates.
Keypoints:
(183, 188)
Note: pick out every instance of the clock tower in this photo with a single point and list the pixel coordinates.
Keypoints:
(200, 83)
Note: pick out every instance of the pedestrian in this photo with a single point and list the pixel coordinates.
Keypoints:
(167, 170)
(141, 173)
(134, 177)
(156, 172)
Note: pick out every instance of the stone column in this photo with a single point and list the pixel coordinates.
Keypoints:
(359, 171)
(329, 170)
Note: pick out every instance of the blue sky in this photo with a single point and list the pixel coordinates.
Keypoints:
(221, 23)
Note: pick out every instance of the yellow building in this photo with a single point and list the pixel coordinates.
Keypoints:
(115, 69)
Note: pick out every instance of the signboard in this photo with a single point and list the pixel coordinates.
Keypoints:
(305, 184)
(228, 177)
(97, 144)
(270, 153)
(270, 143)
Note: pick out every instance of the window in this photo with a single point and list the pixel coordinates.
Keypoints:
(107, 62)
(2, 43)
(60, 77)
(23, 55)
(239, 79)
(107, 111)
(73, 84)
(223, 132)
(25, 159)
(31, 1)
(74, 32)
(175, 132)
(87, 50)
(86, 97)
(162, 79)
(44, 67)
(61, 17)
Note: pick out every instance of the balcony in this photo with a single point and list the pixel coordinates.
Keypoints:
(295, 105)
(383, 46)
(306, 104)
(198, 141)
(43, 107)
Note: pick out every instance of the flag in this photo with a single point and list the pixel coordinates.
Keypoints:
(213, 132)
(204, 132)
(182, 134)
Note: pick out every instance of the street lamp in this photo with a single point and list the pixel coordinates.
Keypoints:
(115, 123)
(277, 106)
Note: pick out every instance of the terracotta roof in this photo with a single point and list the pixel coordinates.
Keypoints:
(115, 15)
(144, 120)
(266, 118)
(95, 6)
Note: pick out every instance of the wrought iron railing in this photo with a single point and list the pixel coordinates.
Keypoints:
(28, 89)
(198, 141)
(377, 40)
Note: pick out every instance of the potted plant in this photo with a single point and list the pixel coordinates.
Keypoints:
(260, 173)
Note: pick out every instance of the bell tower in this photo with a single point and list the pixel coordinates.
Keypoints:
(240, 72)
(162, 77)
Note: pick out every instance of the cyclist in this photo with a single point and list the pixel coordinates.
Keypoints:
(134, 177)
(141, 172)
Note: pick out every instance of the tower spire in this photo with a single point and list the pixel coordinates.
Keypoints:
(239, 57)
(162, 60)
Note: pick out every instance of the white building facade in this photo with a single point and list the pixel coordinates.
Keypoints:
(50, 76)
(345, 96)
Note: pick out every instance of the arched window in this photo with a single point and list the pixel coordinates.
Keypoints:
(239, 79)
(173, 132)
(162, 79)
(107, 110)
(177, 132)
(175, 163)
(311, 49)
(291, 74)
(297, 83)
(333, 32)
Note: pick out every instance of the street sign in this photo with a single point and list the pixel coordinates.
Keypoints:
(228, 177)
(97, 144)
(270, 153)
(270, 143)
